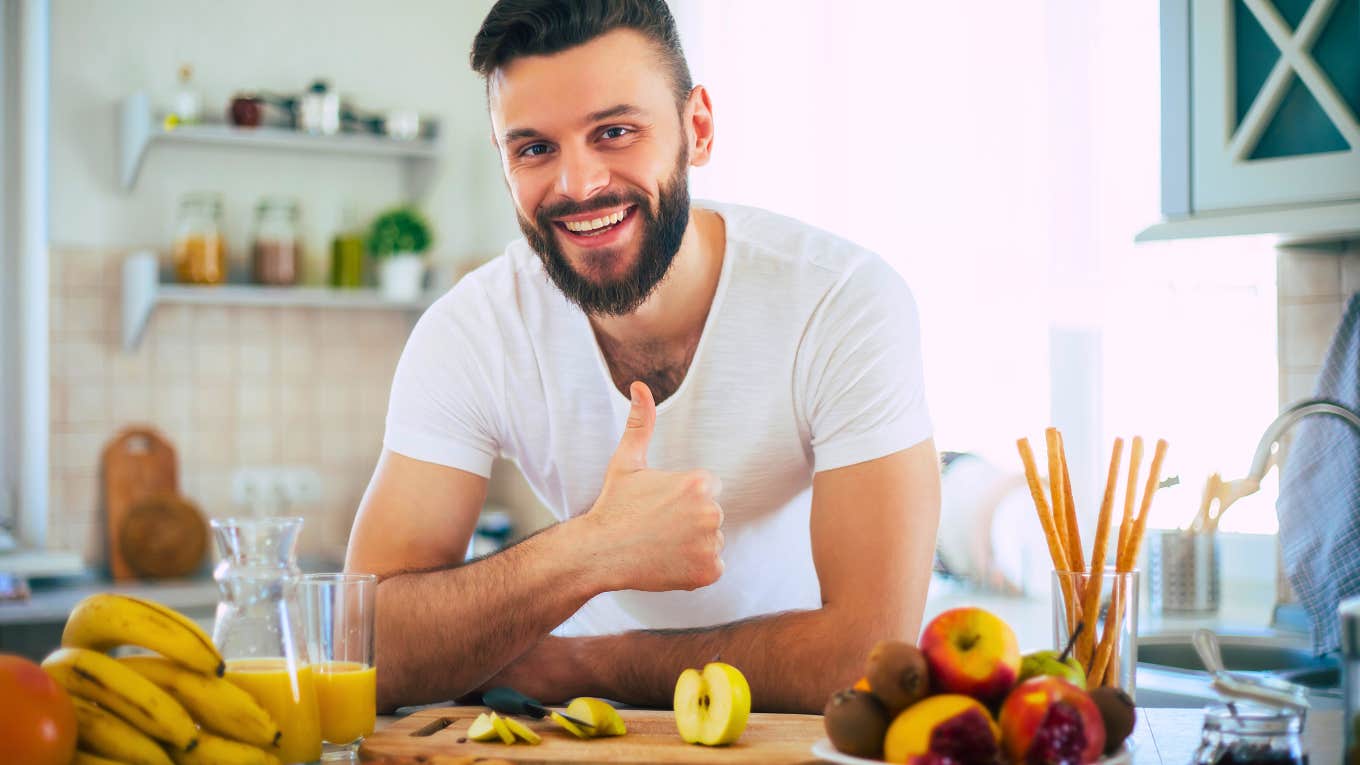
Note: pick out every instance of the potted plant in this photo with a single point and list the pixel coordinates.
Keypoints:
(399, 240)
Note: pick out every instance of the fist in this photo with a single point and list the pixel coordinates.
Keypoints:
(665, 527)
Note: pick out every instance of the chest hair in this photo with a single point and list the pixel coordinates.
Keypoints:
(662, 366)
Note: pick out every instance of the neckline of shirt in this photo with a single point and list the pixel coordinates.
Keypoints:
(724, 276)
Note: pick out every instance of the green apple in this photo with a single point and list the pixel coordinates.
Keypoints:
(711, 706)
(1041, 663)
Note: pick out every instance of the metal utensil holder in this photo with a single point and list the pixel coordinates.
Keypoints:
(1183, 572)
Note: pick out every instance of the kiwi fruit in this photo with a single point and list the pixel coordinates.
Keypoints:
(1117, 710)
(856, 723)
(897, 674)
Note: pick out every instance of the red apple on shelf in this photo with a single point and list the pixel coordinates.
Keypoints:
(972, 652)
(1049, 720)
(949, 728)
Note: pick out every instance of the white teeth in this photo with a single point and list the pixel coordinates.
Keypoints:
(590, 225)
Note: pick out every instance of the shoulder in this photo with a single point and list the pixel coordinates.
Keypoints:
(829, 264)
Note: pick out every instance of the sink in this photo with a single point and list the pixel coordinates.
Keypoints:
(1171, 673)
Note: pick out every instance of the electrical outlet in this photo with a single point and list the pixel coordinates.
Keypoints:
(272, 489)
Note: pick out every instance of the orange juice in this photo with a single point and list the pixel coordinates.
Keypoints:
(293, 706)
(347, 693)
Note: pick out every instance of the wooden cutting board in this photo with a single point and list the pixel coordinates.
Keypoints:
(439, 737)
(137, 464)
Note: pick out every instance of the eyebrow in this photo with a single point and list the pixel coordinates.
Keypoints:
(618, 110)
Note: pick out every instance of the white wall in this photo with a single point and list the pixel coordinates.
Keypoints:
(403, 54)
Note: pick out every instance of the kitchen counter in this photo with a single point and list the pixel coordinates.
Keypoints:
(1170, 736)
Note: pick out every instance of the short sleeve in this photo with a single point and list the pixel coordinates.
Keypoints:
(859, 365)
(438, 410)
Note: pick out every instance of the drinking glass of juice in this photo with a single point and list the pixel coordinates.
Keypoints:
(340, 642)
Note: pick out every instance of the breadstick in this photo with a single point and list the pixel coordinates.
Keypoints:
(1090, 604)
(1074, 550)
(1055, 548)
(1130, 495)
(1149, 489)
(1104, 652)
(1055, 490)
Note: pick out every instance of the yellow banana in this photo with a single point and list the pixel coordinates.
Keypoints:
(119, 689)
(215, 750)
(217, 705)
(85, 758)
(107, 735)
(108, 619)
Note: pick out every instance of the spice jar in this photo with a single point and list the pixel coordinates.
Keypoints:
(278, 247)
(1250, 735)
(200, 252)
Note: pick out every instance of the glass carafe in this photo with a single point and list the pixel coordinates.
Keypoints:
(260, 628)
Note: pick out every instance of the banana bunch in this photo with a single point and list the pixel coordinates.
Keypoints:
(171, 709)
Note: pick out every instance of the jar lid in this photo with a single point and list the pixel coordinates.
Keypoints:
(1252, 720)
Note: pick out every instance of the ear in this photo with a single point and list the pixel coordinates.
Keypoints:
(698, 118)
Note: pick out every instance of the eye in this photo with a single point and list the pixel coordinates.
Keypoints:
(618, 131)
(534, 150)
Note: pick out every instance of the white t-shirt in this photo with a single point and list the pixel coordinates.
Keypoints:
(809, 360)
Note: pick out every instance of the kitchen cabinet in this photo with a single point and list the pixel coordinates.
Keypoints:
(1259, 125)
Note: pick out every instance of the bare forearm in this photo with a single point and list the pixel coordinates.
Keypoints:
(439, 634)
(793, 660)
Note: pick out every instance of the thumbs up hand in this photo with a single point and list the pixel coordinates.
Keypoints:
(664, 528)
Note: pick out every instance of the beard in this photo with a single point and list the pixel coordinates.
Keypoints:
(662, 230)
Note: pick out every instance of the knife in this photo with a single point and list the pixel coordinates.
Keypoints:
(509, 701)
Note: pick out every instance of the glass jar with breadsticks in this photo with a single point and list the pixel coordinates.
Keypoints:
(1096, 600)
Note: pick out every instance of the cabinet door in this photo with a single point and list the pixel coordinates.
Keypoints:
(1275, 90)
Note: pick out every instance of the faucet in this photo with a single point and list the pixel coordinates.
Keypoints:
(1260, 463)
(1231, 491)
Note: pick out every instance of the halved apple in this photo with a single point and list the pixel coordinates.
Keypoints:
(600, 714)
(711, 707)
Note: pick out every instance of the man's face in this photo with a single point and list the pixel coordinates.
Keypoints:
(596, 159)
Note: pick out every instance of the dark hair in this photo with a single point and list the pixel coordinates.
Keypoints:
(515, 28)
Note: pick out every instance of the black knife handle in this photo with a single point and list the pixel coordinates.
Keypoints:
(511, 702)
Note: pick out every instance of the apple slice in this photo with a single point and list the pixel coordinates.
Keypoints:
(598, 713)
(711, 707)
(502, 729)
(481, 729)
(568, 725)
(521, 731)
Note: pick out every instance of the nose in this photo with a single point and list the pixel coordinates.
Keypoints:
(583, 174)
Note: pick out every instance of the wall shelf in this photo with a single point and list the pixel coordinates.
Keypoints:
(143, 290)
(139, 132)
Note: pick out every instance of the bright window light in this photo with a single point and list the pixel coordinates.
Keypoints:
(1002, 159)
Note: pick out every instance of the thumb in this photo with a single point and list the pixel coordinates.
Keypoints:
(637, 434)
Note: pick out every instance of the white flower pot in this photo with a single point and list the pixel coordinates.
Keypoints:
(400, 276)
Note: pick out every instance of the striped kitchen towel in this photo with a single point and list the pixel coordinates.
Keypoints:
(1319, 504)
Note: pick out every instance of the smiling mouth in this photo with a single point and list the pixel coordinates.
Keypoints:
(596, 226)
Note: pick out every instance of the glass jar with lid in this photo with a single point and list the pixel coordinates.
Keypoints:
(277, 252)
(1245, 734)
(200, 251)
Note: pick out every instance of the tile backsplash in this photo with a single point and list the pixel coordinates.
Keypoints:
(228, 386)
(1315, 281)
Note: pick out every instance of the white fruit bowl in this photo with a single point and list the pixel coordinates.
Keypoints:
(823, 750)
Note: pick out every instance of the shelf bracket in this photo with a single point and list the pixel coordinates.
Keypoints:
(141, 280)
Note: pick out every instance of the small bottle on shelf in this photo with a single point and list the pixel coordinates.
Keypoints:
(186, 107)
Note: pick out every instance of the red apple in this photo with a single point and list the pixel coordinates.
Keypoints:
(973, 652)
(1049, 720)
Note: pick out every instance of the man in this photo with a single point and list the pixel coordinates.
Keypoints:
(671, 379)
